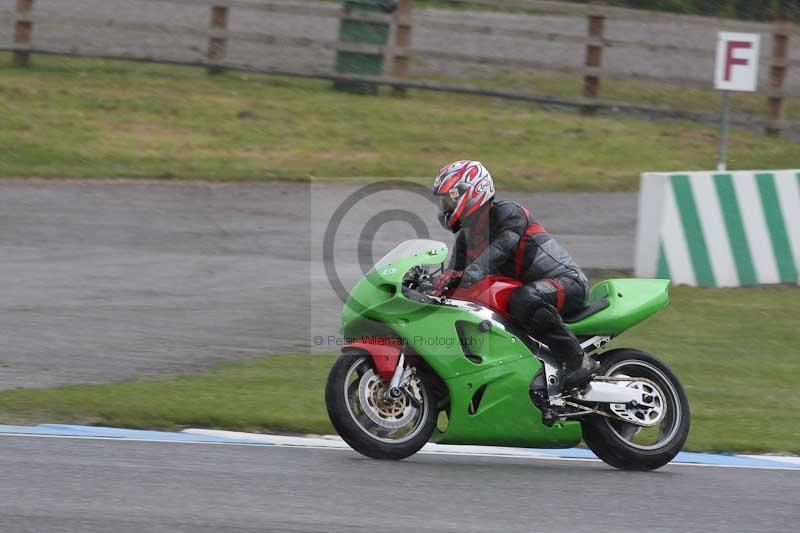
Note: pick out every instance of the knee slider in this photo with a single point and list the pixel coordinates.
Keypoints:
(546, 319)
(524, 303)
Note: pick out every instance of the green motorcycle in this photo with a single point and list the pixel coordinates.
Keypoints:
(456, 369)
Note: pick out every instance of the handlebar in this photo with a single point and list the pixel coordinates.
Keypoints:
(419, 286)
(419, 296)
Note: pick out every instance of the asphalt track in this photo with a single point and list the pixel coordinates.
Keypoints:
(65, 484)
(116, 280)
(112, 280)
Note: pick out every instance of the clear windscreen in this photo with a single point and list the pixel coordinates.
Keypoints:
(409, 249)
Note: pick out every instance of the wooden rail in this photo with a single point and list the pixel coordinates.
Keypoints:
(619, 13)
(23, 31)
(594, 57)
(577, 103)
(217, 41)
(402, 42)
(400, 53)
(777, 77)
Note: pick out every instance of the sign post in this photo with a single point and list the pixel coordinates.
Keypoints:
(722, 156)
(736, 70)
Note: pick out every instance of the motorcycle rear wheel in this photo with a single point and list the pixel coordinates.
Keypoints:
(615, 441)
(353, 396)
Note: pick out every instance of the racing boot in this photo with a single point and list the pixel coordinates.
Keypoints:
(550, 328)
(579, 371)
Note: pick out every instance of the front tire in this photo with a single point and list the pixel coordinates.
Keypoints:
(380, 431)
(630, 447)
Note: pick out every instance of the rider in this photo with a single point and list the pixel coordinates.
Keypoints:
(502, 238)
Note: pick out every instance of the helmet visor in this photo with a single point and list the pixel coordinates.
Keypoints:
(448, 202)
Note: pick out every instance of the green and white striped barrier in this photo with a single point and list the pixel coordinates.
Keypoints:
(720, 229)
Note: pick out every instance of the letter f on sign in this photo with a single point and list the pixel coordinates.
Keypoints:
(730, 61)
(736, 67)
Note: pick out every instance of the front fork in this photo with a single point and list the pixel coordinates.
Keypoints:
(393, 390)
(389, 361)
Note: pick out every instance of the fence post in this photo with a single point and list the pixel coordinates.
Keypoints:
(23, 31)
(402, 41)
(777, 76)
(594, 58)
(216, 43)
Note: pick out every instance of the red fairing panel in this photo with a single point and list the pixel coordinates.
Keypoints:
(492, 292)
(385, 354)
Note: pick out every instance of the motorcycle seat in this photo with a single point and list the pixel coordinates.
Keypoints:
(586, 312)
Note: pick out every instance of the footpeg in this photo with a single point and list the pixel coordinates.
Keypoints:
(581, 376)
(548, 417)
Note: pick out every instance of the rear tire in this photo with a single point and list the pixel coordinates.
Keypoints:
(356, 428)
(606, 437)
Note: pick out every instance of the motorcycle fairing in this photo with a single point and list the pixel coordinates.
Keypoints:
(385, 353)
(485, 380)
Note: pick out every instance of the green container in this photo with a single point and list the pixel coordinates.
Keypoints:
(362, 32)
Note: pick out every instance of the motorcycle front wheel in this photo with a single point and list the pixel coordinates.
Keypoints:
(629, 446)
(371, 425)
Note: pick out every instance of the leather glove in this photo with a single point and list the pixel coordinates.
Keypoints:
(446, 281)
(466, 279)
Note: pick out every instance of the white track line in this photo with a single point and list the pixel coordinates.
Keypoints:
(430, 449)
(335, 443)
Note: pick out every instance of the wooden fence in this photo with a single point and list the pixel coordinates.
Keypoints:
(399, 54)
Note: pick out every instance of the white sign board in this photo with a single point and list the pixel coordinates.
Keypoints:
(737, 62)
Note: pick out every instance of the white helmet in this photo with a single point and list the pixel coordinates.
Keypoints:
(463, 188)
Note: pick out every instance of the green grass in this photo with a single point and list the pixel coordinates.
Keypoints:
(280, 393)
(691, 99)
(735, 350)
(93, 118)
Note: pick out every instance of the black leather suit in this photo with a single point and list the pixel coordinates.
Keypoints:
(505, 240)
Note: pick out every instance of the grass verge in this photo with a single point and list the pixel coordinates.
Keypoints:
(692, 99)
(735, 350)
(279, 393)
(94, 118)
